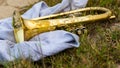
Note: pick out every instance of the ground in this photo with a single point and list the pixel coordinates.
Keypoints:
(100, 48)
(12, 5)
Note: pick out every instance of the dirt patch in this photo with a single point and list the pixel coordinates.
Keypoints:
(118, 66)
(115, 27)
(7, 7)
(6, 11)
(20, 3)
(3, 2)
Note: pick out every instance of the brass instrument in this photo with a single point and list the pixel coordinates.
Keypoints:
(25, 29)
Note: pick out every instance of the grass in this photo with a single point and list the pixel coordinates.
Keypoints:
(100, 48)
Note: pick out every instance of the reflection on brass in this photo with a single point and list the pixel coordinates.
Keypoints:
(25, 29)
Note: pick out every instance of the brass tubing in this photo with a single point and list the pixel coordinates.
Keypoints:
(43, 24)
(38, 22)
(74, 11)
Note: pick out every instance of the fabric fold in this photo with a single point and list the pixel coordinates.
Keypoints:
(42, 45)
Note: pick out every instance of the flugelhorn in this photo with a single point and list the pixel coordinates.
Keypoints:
(25, 29)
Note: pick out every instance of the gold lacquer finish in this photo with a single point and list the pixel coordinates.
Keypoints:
(18, 27)
(30, 28)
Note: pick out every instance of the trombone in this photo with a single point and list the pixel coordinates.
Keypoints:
(25, 29)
